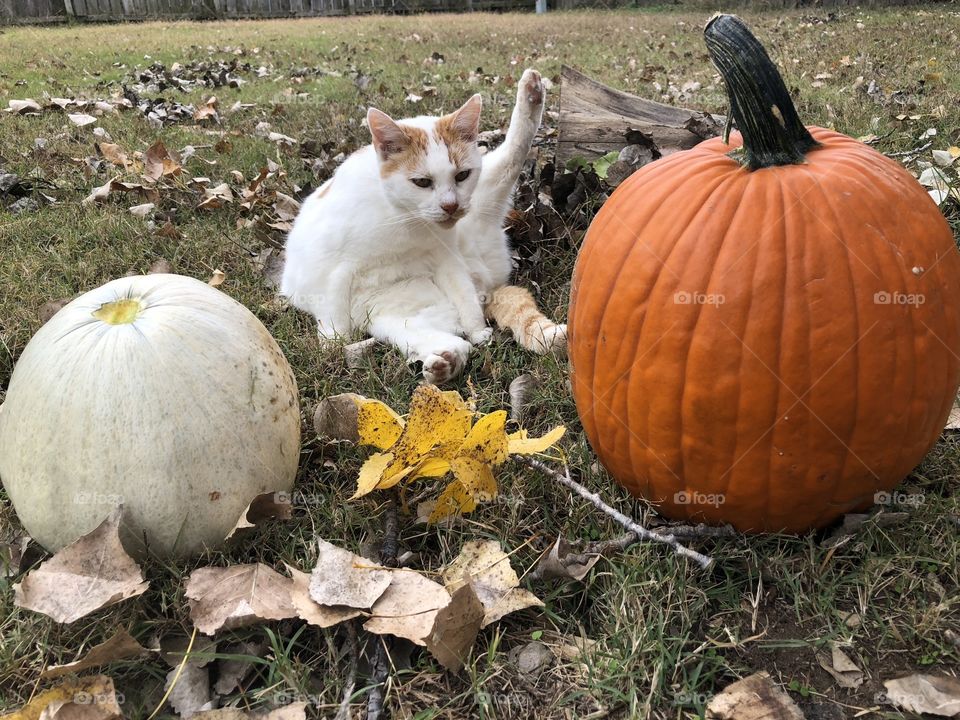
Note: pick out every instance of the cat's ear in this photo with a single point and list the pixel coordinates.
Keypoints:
(388, 137)
(466, 121)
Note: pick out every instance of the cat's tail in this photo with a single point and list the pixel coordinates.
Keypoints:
(514, 308)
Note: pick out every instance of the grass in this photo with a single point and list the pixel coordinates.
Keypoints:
(667, 635)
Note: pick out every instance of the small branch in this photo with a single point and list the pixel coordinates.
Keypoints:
(641, 532)
(351, 680)
(389, 546)
(908, 153)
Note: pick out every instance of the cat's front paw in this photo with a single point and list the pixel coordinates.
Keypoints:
(481, 336)
(530, 90)
(444, 365)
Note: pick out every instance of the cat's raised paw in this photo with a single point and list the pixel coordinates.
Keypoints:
(531, 88)
(440, 367)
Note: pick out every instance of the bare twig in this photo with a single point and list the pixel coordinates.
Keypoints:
(641, 532)
(381, 661)
(908, 153)
(351, 680)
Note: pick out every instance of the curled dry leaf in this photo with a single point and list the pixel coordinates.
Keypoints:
(81, 119)
(755, 697)
(91, 573)
(281, 139)
(336, 417)
(521, 393)
(312, 612)
(189, 690)
(88, 698)
(237, 596)
(114, 155)
(343, 578)
(920, 693)
(142, 211)
(560, 562)
(841, 667)
(267, 506)
(217, 279)
(216, 197)
(484, 565)
(120, 646)
(158, 162)
(207, 111)
(29, 106)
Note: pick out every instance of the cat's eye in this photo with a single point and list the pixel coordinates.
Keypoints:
(462, 175)
(422, 182)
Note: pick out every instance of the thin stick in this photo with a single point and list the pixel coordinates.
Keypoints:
(595, 500)
(381, 660)
(351, 680)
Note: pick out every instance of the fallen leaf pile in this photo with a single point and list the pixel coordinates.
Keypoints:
(440, 437)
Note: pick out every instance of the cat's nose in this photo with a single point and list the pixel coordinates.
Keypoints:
(450, 207)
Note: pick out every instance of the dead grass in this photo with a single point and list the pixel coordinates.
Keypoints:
(668, 635)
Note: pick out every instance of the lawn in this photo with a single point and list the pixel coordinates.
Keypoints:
(664, 635)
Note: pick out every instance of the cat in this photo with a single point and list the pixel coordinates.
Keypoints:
(406, 240)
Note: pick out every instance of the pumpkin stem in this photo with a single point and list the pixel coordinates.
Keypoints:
(759, 102)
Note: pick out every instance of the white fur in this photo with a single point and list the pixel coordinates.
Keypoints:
(382, 256)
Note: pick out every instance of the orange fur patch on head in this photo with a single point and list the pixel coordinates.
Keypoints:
(458, 131)
(408, 158)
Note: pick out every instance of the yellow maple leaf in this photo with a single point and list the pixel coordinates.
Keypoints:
(438, 438)
(519, 444)
(378, 424)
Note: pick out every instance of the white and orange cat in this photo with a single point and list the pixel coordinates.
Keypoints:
(406, 240)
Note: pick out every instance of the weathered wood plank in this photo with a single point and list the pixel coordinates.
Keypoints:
(595, 119)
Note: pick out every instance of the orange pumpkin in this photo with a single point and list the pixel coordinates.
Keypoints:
(766, 337)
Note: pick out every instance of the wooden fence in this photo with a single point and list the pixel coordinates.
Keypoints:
(44, 11)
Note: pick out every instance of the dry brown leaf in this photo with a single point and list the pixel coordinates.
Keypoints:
(561, 563)
(455, 628)
(484, 565)
(286, 207)
(315, 614)
(267, 506)
(294, 711)
(11, 553)
(934, 694)
(81, 119)
(159, 162)
(189, 690)
(216, 197)
(336, 417)
(91, 573)
(120, 646)
(237, 596)
(232, 672)
(841, 667)
(408, 608)
(342, 578)
(102, 192)
(217, 279)
(142, 211)
(89, 698)
(207, 111)
(754, 698)
(114, 155)
(28, 106)
(281, 139)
